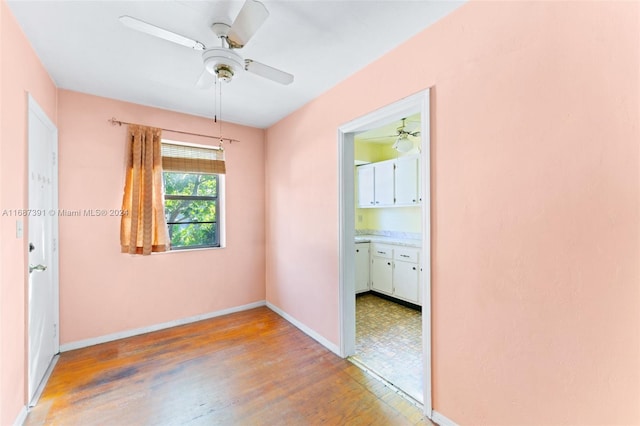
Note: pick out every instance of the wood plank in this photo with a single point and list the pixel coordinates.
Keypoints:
(246, 368)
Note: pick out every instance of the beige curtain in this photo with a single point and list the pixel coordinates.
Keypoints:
(144, 229)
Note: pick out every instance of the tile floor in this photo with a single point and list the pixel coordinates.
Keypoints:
(388, 342)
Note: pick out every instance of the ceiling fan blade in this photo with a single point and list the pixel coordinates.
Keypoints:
(410, 126)
(206, 80)
(268, 72)
(249, 19)
(144, 27)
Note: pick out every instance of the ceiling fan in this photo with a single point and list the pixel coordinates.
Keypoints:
(402, 142)
(223, 62)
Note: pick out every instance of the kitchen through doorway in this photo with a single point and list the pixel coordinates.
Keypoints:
(385, 256)
(388, 237)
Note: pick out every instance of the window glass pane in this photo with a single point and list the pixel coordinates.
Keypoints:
(190, 184)
(190, 211)
(193, 235)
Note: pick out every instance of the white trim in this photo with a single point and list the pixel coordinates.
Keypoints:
(346, 241)
(441, 419)
(22, 416)
(419, 102)
(306, 330)
(43, 383)
(135, 332)
(425, 259)
(396, 111)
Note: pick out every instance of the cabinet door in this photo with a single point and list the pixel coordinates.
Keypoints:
(384, 183)
(362, 267)
(406, 281)
(407, 176)
(381, 275)
(365, 186)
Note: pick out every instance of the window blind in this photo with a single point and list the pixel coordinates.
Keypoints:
(190, 159)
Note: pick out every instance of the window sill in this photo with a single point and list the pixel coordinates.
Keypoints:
(190, 250)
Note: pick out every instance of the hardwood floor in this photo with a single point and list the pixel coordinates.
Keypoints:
(248, 368)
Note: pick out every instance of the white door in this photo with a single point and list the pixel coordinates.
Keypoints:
(42, 246)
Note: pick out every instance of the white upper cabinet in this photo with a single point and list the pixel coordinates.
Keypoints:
(384, 183)
(376, 184)
(389, 183)
(407, 180)
(365, 186)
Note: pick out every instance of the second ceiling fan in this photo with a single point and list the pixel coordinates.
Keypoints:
(222, 62)
(402, 143)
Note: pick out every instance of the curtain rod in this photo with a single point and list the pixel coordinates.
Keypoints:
(114, 122)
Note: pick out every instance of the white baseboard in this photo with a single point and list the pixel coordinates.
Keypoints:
(22, 416)
(441, 419)
(306, 330)
(129, 333)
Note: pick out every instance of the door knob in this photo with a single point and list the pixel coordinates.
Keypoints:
(37, 268)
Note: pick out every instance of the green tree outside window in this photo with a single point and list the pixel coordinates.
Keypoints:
(191, 209)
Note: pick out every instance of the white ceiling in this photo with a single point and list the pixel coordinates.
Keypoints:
(85, 48)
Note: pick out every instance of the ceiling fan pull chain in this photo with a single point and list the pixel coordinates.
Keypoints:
(215, 101)
(220, 100)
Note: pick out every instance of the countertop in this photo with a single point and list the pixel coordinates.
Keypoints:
(408, 242)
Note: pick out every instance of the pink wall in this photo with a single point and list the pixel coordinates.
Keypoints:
(535, 181)
(21, 73)
(103, 291)
(535, 211)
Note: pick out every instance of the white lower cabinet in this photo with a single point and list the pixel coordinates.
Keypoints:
(406, 281)
(381, 275)
(362, 267)
(395, 271)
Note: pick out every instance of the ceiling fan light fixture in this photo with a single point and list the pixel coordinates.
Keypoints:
(223, 63)
(403, 144)
(224, 73)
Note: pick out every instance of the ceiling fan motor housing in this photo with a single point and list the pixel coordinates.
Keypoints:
(223, 63)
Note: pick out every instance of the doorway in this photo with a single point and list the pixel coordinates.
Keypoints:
(412, 105)
(42, 328)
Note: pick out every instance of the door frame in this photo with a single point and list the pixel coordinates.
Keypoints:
(36, 112)
(419, 102)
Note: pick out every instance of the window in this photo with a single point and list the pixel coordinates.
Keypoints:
(193, 179)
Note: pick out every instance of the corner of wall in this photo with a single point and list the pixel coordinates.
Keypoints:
(23, 73)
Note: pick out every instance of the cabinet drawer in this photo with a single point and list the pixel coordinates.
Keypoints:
(382, 251)
(406, 254)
